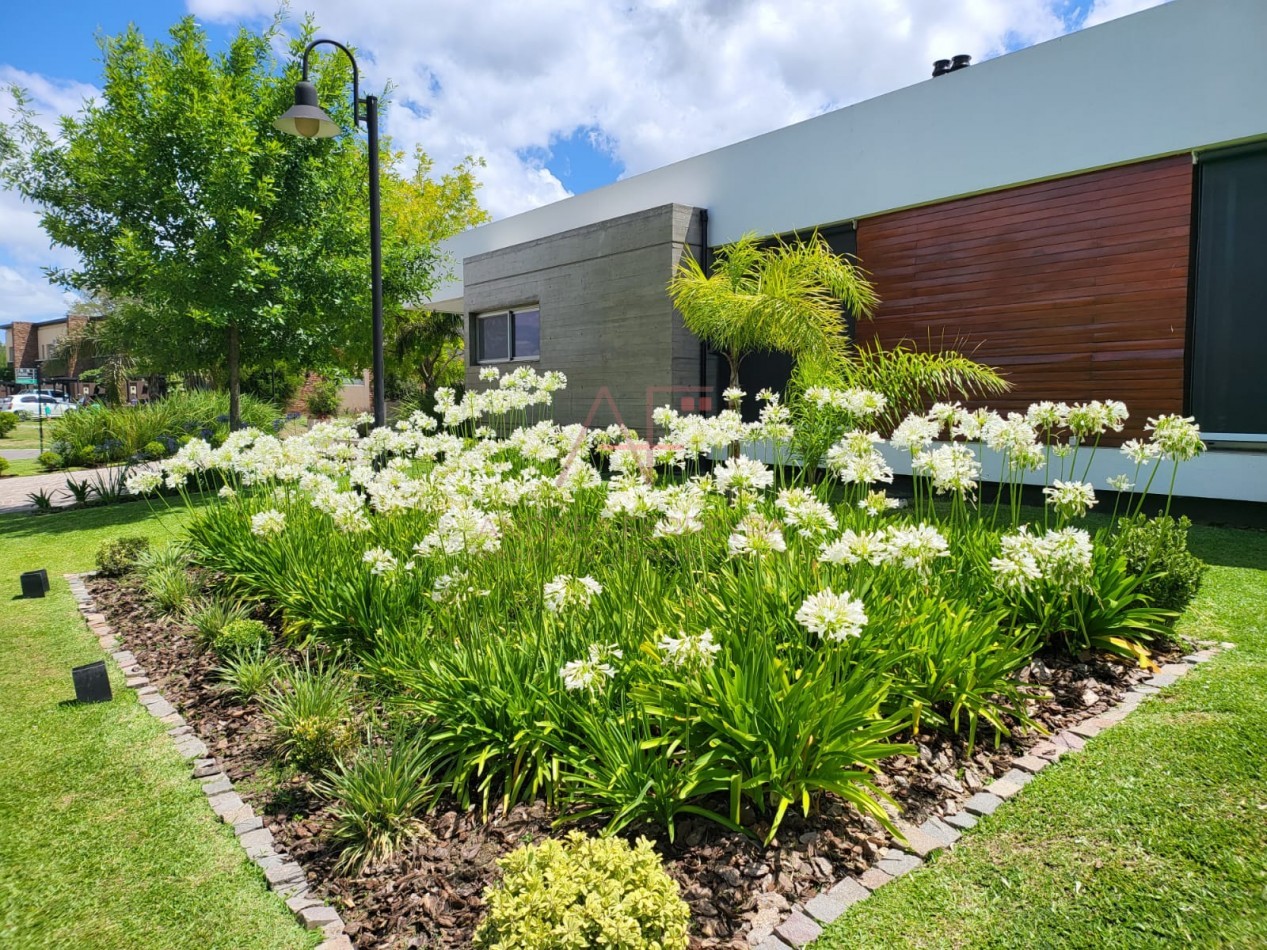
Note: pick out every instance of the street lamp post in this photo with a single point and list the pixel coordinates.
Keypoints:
(306, 118)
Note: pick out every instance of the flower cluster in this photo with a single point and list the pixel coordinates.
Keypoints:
(593, 672)
(1061, 559)
(832, 616)
(567, 591)
(690, 651)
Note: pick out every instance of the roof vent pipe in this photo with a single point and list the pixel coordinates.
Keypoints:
(941, 67)
(962, 61)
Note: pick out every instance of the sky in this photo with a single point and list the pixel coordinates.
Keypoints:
(557, 96)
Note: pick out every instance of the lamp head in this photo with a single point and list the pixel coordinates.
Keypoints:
(305, 118)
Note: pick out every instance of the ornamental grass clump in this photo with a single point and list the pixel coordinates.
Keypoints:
(635, 631)
(378, 799)
(313, 716)
(209, 615)
(250, 673)
(583, 892)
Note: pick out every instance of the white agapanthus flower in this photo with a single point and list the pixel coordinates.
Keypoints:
(1062, 558)
(733, 395)
(743, 475)
(915, 432)
(1070, 499)
(756, 536)
(455, 588)
(381, 561)
(1178, 438)
(567, 591)
(855, 547)
(1047, 415)
(804, 512)
(916, 547)
(1141, 453)
(832, 616)
(690, 650)
(142, 483)
(268, 523)
(593, 672)
(1121, 482)
(227, 492)
(952, 468)
(877, 503)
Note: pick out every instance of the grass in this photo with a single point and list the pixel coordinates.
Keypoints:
(26, 435)
(105, 842)
(1154, 836)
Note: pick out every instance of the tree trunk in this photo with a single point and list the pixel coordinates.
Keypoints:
(235, 379)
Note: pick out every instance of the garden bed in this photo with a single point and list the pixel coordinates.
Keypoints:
(429, 894)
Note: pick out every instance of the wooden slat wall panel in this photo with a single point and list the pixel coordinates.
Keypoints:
(1076, 288)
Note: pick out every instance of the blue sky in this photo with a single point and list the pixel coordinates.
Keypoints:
(558, 96)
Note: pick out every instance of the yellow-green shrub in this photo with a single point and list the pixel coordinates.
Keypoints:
(583, 892)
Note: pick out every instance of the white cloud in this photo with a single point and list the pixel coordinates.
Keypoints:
(661, 79)
(26, 295)
(1103, 10)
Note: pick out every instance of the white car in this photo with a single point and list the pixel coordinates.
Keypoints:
(37, 404)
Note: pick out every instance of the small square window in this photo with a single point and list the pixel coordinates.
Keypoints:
(508, 335)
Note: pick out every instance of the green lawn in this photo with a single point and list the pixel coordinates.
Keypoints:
(1154, 836)
(27, 436)
(105, 842)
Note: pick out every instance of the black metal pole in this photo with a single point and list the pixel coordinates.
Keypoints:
(39, 406)
(376, 264)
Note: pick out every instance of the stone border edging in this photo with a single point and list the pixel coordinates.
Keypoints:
(806, 921)
(283, 874)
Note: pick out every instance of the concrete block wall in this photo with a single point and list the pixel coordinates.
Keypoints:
(606, 317)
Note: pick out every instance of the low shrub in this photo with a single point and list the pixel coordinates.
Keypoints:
(51, 461)
(583, 892)
(1156, 549)
(241, 636)
(251, 673)
(323, 398)
(313, 714)
(211, 615)
(8, 422)
(118, 557)
(378, 798)
(155, 450)
(4, 465)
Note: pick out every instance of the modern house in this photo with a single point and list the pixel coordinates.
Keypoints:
(1088, 215)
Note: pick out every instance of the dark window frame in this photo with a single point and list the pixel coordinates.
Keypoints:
(510, 313)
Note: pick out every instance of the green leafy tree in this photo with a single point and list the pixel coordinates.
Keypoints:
(424, 348)
(789, 297)
(233, 244)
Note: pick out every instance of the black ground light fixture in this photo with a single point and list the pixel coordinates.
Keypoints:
(35, 583)
(306, 118)
(92, 683)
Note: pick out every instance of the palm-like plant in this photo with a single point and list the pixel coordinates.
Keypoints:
(789, 297)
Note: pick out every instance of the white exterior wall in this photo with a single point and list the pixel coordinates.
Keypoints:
(1186, 75)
